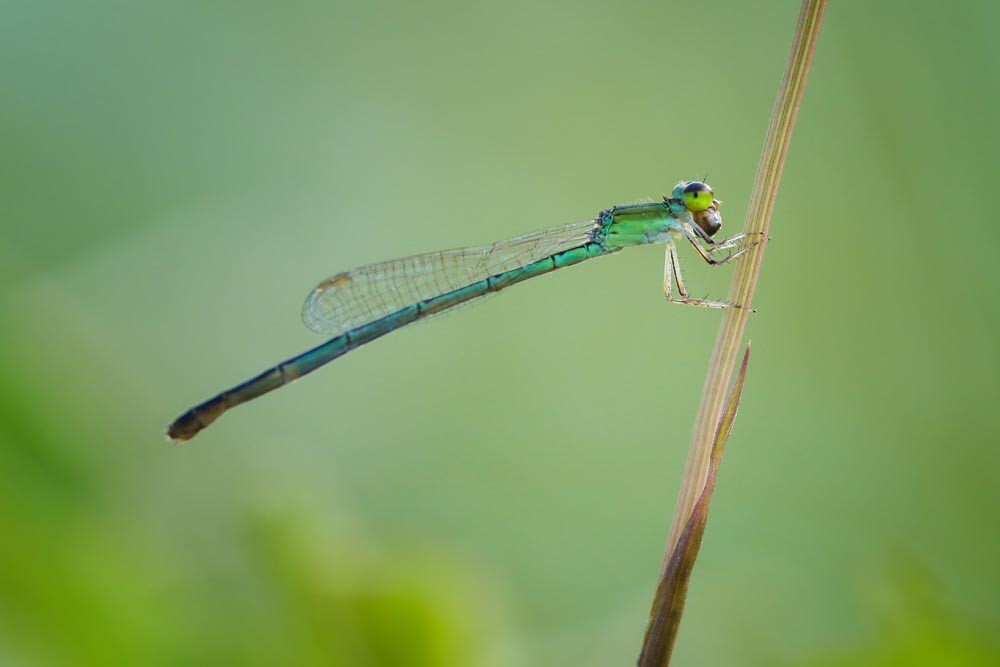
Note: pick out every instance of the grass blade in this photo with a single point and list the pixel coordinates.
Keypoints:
(668, 605)
(656, 650)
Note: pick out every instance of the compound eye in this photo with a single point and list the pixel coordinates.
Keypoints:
(697, 196)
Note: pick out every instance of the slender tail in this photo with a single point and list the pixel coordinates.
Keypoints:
(194, 420)
(200, 416)
(197, 418)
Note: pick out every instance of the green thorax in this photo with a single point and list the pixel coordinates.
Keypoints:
(636, 224)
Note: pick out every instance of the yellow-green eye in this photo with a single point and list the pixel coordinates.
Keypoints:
(697, 196)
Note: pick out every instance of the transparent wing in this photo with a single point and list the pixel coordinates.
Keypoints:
(367, 293)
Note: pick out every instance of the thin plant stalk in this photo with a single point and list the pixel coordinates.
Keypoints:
(727, 342)
(672, 591)
(734, 320)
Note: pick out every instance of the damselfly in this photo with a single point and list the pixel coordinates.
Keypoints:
(358, 306)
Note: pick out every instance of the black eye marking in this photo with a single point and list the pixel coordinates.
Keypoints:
(697, 187)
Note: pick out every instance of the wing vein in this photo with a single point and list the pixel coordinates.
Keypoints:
(354, 298)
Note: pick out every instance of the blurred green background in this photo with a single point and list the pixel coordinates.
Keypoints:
(492, 488)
